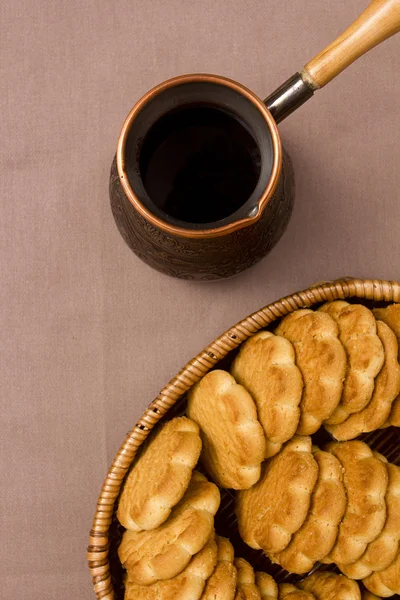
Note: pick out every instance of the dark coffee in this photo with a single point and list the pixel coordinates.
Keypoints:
(199, 164)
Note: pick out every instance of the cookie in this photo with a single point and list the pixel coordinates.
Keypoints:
(330, 586)
(387, 388)
(288, 591)
(394, 415)
(267, 586)
(365, 479)
(365, 356)
(316, 537)
(366, 595)
(234, 443)
(382, 551)
(385, 583)
(391, 316)
(322, 361)
(188, 585)
(164, 552)
(222, 583)
(275, 508)
(265, 366)
(246, 588)
(160, 475)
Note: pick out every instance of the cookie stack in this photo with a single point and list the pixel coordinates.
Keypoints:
(169, 548)
(293, 513)
(340, 369)
(336, 368)
(338, 505)
(318, 586)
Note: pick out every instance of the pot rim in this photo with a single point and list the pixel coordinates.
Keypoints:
(216, 231)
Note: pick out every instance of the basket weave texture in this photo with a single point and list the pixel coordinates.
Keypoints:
(105, 532)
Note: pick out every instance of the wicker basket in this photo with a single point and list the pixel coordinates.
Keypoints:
(106, 532)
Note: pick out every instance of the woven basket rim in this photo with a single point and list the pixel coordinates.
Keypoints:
(195, 369)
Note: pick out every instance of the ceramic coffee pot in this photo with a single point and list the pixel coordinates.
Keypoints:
(201, 187)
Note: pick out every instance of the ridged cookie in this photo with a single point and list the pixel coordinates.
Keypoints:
(267, 586)
(265, 366)
(222, 583)
(387, 388)
(365, 356)
(330, 586)
(365, 479)
(381, 552)
(246, 588)
(317, 536)
(366, 595)
(160, 476)
(385, 583)
(391, 316)
(188, 585)
(322, 361)
(275, 508)
(288, 591)
(164, 552)
(234, 443)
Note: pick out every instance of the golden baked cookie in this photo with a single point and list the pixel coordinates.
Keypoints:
(234, 443)
(275, 508)
(382, 551)
(366, 595)
(365, 479)
(222, 583)
(322, 361)
(365, 356)
(265, 366)
(246, 588)
(188, 585)
(288, 591)
(391, 316)
(160, 475)
(330, 586)
(317, 536)
(385, 583)
(387, 388)
(394, 415)
(164, 552)
(267, 586)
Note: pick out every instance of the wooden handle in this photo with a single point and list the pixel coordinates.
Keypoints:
(379, 21)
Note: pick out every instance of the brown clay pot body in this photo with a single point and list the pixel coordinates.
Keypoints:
(235, 240)
(204, 258)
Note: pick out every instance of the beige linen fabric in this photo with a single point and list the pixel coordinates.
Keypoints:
(89, 334)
